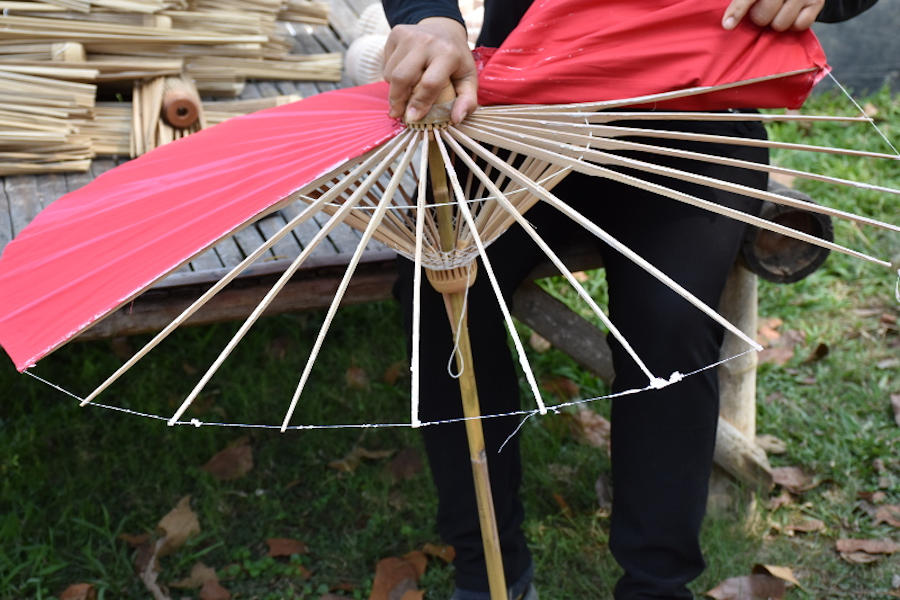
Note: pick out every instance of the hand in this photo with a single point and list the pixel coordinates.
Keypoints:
(780, 15)
(421, 60)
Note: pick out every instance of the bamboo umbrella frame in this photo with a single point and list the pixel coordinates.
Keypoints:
(383, 194)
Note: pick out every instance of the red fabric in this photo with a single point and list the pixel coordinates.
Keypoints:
(99, 246)
(566, 51)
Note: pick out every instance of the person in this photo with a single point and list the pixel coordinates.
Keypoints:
(662, 440)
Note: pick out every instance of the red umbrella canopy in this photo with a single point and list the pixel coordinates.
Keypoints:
(96, 248)
(590, 51)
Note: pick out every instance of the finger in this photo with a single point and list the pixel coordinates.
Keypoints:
(466, 97)
(402, 77)
(736, 11)
(763, 12)
(787, 15)
(435, 78)
(807, 17)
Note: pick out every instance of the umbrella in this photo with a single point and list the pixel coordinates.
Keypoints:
(98, 247)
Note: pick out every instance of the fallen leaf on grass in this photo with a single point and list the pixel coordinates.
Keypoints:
(590, 428)
(870, 110)
(356, 378)
(564, 507)
(134, 540)
(859, 558)
(783, 499)
(781, 350)
(79, 591)
(349, 463)
(805, 525)
(852, 549)
(771, 444)
(888, 363)
(213, 590)
(177, 526)
(232, 462)
(560, 386)
(395, 371)
(874, 497)
(777, 571)
(406, 464)
(888, 513)
(418, 560)
(445, 553)
(199, 575)
(895, 404)
(539, 343)
(394, 576)
(767, 330)
(285, 547)
(793, 479)
(749, 587)
(580, 276)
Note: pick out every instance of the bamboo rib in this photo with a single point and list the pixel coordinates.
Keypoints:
(345, 281)
(602, 143)
(311, 210)
(604, 236)
(595, 170)
(282, 281)
(612, 159)
(463, 208)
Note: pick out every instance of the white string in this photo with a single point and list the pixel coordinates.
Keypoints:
(516, 413)
(461, 365)
(863, 113)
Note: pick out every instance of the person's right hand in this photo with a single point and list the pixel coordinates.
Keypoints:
(421, 60)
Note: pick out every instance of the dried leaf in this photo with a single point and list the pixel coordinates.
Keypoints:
(805, 525)
(564, 507)
(395, 371)
(79, 591)
(177, 526)
(779, 572)
(771, 444)
(793, 479)
(303, 572)
(349, 463)
(888, 513)
(560, 386)
(213, 590)
(766, 330)
(749, 587)
(417, 559)
(895, 404)
(356, 378)
(777, 355)
(874, 497)
(859, 558)
(285, 547)
(200, 574)
(233, 462)
(406, 464)
(580, 276)
(869, 546)
(539, 343)
(393, 577)
(888, 363)
(445, 553)
(590, 428)
(870, 110)
(782, 499)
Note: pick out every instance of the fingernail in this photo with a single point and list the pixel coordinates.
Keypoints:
(412, 114)
(729, 23)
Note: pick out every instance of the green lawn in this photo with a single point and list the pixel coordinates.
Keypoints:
(72, 480)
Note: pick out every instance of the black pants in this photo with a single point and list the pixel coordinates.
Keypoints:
(662, 440)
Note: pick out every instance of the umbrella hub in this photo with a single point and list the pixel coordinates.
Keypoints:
(439, 115)
(455, 280)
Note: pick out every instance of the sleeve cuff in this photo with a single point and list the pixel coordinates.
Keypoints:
(409, 13)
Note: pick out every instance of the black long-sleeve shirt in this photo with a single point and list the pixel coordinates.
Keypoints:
(501, 16)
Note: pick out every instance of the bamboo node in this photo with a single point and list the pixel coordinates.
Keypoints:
(457, 279)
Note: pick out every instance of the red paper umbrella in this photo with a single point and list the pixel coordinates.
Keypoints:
(588, 51)
(96, 248)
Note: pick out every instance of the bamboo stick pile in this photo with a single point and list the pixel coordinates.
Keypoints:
(67, 50)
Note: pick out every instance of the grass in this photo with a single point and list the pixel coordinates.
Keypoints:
(72, 480)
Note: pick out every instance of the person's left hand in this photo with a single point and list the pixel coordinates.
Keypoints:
(780, 15)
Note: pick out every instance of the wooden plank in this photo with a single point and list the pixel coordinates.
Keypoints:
(307, 230)
(288, 247)
(50, 188)
(329, 41)
(24, 200)
(267, 89)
